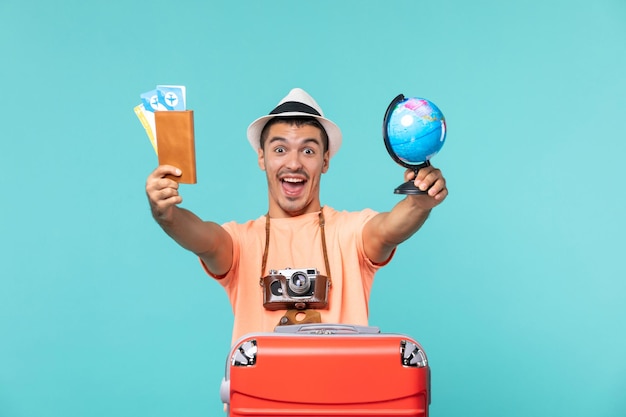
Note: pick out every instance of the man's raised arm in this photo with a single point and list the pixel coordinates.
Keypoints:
(387, 230)
(208, 240)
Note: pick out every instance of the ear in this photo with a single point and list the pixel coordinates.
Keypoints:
(326, 162)
(261, 160)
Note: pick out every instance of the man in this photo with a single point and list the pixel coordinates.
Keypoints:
(295, 143)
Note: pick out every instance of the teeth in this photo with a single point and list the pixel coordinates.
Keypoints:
(294, 180)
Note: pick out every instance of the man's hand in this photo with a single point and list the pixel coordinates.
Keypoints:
(163, 193)
(431, 180)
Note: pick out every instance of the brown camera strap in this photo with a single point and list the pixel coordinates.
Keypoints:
(300, 317)
(324, 250)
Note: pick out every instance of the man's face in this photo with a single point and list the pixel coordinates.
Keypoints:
(294, 160)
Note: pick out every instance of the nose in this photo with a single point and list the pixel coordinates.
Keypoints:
(293, 161)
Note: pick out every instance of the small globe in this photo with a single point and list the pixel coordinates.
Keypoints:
(415, 130)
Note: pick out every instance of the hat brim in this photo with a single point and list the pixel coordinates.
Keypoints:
(332, 130)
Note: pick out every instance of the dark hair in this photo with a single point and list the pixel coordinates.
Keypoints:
(294, 121)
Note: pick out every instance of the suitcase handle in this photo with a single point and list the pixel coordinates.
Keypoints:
(326, 328)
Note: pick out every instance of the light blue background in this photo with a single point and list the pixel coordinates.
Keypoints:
(515, 287)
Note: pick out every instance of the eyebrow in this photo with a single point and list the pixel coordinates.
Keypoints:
(304, 141)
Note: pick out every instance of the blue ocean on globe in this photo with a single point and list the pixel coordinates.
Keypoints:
(416, 130)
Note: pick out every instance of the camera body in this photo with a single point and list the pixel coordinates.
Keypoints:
(300, 288)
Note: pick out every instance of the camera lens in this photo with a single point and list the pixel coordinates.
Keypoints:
(299, 283)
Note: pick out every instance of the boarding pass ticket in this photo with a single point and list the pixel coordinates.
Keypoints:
(163, 98)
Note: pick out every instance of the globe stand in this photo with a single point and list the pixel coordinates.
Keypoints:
(409, 188)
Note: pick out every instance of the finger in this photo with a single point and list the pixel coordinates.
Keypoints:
(441, 195)
(168, 202)
(165, 198)
(438, 189)
(164, 183)
(162, 170)
(162, 194)
(157, 183)
(426, 178)
(168, 192)
(426, 172)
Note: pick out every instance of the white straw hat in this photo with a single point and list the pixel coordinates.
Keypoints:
(297, 103)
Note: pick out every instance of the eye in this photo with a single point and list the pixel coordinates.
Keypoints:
(309, 151)
(279, 149)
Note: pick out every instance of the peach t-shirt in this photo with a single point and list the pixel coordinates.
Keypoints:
(296, 243)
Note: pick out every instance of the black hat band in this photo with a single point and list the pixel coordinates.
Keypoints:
(294, 106)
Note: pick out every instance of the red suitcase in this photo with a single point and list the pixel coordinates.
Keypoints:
(317, 370)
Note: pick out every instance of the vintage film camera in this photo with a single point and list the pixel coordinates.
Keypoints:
(299, 289)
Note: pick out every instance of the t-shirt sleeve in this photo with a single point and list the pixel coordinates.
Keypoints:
(365, 216)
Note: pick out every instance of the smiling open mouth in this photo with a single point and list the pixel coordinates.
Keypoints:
(293, 186)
